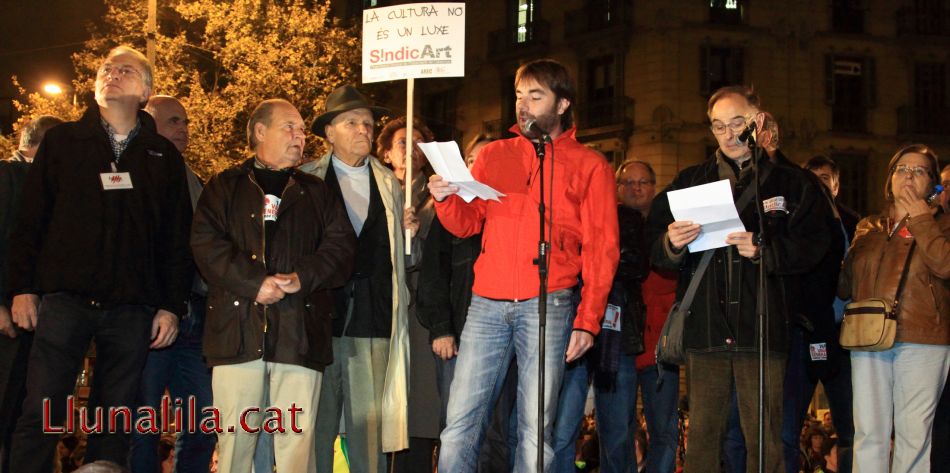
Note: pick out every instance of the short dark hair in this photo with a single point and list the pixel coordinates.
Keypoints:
(819, 161)
(32, 134)
(624, 165)
(479, 138)
(261, 114)
(384, 142)
(923, 149)
(554, 76)
(747, 93)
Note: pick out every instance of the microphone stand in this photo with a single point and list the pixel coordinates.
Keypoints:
(761, 308)
(542, 263)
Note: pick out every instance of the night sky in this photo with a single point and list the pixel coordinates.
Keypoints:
(36, 39)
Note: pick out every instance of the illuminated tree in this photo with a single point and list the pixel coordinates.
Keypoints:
(222, 58)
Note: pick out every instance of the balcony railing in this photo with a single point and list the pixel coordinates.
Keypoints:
(913, 21)
(849, 118)
(506, 42)
(923, 121)
(601, 113)
(618, 16)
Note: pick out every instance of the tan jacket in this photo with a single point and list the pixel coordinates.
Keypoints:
(395, 403)
(873, 268)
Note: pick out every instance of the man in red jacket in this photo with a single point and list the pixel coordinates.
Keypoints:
(503, 316)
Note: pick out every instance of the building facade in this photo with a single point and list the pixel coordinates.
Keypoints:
(850, 79)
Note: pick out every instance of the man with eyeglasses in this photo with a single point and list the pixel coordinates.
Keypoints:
(102, 236)
(721, 331)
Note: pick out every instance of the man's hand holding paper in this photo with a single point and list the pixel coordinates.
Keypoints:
(706, 218)
(451, 174)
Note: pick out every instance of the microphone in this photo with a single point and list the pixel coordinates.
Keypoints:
(933, 195)
(533, 130)
(744, 136)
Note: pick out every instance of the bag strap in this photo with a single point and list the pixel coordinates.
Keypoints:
(900, 285)
(694, 281)
(743, 201)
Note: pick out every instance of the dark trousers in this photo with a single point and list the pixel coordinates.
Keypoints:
(939, 453)
(14, 353)
(65, 327)
(182, 369)
(711, 379)
(799, 389)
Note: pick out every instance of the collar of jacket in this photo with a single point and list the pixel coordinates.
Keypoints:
(565, 135)
(90, 125)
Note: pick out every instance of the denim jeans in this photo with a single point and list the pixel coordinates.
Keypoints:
(798, 393)
(896, 389)
(616, 411)
(496, 331)
(659, 408)
(182, 369)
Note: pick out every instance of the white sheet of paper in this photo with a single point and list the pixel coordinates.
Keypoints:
(446, 160)
(711, 206)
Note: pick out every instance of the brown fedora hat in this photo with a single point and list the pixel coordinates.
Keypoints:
(344, 99)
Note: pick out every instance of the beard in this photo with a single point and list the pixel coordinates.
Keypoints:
(546, 121)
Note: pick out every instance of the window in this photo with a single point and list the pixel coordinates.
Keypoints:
(524, 18)
(602, 107)
(850, 90)
(930, 85)
(847, 16)
(853, 190)
(922, 17)
(728, 12)
(439, 112)
(508, 112)
(928, 113)
(719, 66)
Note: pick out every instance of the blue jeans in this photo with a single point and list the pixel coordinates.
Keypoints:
(496, 331)
(181, 369)
(798, 393)
(616, 411)
(659, 408)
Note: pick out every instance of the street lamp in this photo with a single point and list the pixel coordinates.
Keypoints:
(52, 88)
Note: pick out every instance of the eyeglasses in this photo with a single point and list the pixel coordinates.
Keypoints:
(631, 182)
(120, 71)
(904, 170)
(736, 125)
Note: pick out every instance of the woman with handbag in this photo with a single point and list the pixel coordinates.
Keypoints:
(898, 327)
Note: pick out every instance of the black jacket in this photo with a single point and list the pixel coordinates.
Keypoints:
(446, 275)
(12, 174)
(113, 247)
(631, 271)
(723, 315)
(313, 238)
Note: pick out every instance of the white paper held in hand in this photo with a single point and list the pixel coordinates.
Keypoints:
(711, 206)
(446, 160)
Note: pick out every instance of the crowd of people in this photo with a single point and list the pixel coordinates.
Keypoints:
(281, 293)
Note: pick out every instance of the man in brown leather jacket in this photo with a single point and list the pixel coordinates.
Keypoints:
(271, 242)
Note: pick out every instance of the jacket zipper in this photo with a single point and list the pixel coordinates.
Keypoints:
(263, 251)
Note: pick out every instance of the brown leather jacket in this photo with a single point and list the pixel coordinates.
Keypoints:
(873, 268)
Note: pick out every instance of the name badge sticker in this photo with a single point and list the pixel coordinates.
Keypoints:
(115, 180)
(612, 318)
(818, 351)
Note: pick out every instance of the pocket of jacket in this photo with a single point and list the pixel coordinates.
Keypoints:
(223, 335)
(315, 340)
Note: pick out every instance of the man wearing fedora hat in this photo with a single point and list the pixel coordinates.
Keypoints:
(370, 342)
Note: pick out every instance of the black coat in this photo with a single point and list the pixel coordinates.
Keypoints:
(12, 174)
(795, 242)
(631, 271)
(313, 238)
(127, 246)
(446, 276)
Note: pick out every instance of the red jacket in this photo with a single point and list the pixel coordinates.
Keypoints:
(659, 294)
(584, 237)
